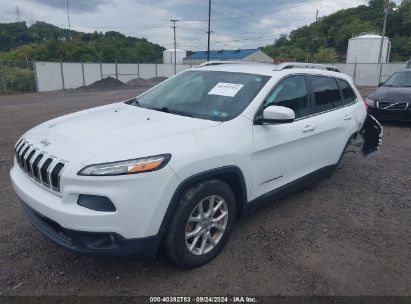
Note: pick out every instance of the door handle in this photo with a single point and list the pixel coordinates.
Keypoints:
(308, 128)
(347, 117)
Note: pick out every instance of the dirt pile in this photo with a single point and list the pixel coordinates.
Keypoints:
(113, 83)
(106, 83)
(138, 82)
(141, 82)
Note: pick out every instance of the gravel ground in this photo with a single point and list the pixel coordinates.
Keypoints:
(348, 235)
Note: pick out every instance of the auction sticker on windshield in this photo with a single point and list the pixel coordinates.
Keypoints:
(226, 89)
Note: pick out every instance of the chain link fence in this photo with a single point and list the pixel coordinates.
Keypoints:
(17, 76)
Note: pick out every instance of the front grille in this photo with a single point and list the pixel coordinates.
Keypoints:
(36, 173)
(55, 176)
(391, 105)
(43, 168)
(44, 173)
(27, 163)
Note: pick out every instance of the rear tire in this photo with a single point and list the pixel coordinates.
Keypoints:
(201, 224)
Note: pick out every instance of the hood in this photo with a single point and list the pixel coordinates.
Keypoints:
(118, 127)
(396, 94)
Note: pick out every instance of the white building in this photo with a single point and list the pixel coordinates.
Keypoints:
(366, 49)
(248, 55)
(168, 56)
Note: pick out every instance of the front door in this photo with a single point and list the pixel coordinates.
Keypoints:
(285, 152)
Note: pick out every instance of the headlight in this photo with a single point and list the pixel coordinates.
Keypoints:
(371, 102)
(131, 166)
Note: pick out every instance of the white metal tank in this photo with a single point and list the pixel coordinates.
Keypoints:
(168, 56)
(366, 49)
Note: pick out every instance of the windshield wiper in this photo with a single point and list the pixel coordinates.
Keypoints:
(136, 102)
(171, 111)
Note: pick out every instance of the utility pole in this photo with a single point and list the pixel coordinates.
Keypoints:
(209, 30)
(315, 38)
(382, 42)
(383, 34)
(68, 14)
(69, 34)
(175, 44)
(18, 15)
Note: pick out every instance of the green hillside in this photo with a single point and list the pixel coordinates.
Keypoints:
(327, 39)
(44, 41)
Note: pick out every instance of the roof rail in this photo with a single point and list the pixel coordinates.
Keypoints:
(302, 65)
(217, 62)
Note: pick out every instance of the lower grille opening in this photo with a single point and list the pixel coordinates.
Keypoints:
(96, 203)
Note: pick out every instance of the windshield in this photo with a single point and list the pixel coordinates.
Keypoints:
(212, 95)
(399, 79)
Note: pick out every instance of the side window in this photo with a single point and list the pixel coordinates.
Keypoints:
(347, 92)
(326, 93)
(291, 93)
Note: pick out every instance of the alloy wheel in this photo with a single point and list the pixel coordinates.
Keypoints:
(206, 225)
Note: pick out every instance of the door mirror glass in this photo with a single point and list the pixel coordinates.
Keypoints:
(276, 115)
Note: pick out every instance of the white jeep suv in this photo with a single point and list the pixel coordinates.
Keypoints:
(179, 163)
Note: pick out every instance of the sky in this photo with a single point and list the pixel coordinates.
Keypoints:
(234, 23)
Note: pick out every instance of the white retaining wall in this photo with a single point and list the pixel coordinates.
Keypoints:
(53, 76)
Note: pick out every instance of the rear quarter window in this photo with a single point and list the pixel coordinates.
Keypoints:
(348, 93)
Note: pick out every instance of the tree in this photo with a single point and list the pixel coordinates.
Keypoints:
(48, 42)
(297, 54)
(334, 31)
(324, 55)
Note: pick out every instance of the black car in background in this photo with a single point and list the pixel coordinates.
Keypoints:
(392, 99)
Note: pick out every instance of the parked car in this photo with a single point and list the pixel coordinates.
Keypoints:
(180, 163)
(392, 99)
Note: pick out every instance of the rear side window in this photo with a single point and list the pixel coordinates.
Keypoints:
(326, 93)
(291, 93)
(347, 92)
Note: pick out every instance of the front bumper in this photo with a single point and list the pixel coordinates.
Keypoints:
(390, 115)
(140, 206)
(92, 243)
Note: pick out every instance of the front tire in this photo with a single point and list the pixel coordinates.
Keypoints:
(201, 224)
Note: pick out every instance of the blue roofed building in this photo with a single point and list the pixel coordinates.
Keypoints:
(247, 55)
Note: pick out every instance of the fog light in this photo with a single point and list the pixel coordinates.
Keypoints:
(96, 203)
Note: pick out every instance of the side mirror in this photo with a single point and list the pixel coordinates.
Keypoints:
(276, 115)
(381, 83)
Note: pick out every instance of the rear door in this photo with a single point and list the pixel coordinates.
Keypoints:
(335, 122)
(349, 104)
